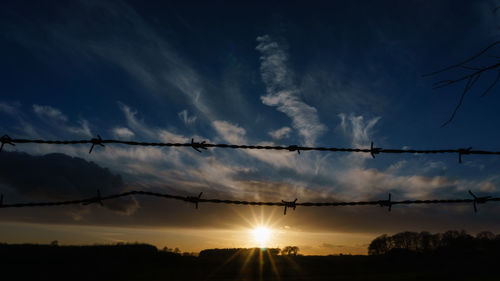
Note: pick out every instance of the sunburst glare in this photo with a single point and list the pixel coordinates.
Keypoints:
(261, 235)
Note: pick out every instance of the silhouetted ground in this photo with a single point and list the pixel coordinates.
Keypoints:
(145, 262)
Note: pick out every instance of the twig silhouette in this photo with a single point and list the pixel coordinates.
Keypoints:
(471, 78)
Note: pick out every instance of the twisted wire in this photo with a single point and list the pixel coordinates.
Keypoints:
(286, 204)
(203, 145)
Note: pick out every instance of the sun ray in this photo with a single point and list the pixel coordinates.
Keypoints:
(245, 218)
(298, 269)
(232, 257)
(273, 265)
(247, 259)
(261, 264)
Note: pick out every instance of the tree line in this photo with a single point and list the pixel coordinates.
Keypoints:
(245, 252)
(451, 241)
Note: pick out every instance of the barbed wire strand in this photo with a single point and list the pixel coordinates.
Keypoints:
(286, 204)
(199, 146)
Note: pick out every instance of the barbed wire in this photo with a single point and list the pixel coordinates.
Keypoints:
(199, 146)
(196, 200)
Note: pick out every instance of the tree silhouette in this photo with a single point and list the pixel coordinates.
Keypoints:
(379, 245)
(290, 251)
(486, 235)
(450, 242)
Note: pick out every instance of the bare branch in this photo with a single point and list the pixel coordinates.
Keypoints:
(492, 85)
(444, 83)
(463, 62)
(468, 86)
(469, 67)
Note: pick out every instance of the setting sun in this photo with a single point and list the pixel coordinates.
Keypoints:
(261, 235)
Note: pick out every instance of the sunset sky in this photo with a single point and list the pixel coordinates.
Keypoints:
(312, 73)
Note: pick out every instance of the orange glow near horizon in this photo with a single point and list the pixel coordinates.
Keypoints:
(253, 229)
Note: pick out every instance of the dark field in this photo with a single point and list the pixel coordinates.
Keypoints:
(145, 262)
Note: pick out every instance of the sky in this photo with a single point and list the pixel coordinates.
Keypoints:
(311, 73)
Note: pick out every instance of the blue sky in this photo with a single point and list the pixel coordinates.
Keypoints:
(317, 73)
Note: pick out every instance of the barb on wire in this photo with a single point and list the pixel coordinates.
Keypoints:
(462, 151)
(289, 204)
(293, 148)
(478, 200)
(5, 139)
(97, 141)
(372, 150)
(194, 199)
(386, 203)
(197, 145)
(97, 199)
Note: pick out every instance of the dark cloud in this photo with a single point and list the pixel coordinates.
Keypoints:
(58, 176)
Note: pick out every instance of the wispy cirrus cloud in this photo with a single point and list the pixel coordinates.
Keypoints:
(153, 62)
(155, 167)
(142, 52)
(137, 125)
(24, 127)
(281, 133)
(134, 123)
(45, 111)
(9, 109)
(83, 129)
(357, 128)
(123, 132)
(283, 93)
(229, 132)
(233, 133)
(55, 116)
(186, 118)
